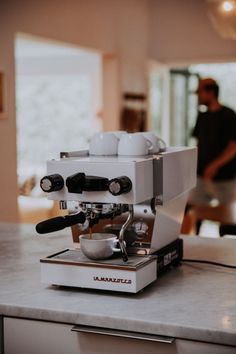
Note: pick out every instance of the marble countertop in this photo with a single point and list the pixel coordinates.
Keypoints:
(193, 301)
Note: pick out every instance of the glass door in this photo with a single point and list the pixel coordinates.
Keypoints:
(183, 106)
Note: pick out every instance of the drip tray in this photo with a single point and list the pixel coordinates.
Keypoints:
(71, 268)
(77, 258)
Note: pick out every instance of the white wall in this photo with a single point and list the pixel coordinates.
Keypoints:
(181, 32)
(8, 185)
(112, 27)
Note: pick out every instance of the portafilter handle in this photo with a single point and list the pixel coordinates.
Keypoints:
(60, 222)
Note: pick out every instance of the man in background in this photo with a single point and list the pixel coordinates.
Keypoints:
(215, 131)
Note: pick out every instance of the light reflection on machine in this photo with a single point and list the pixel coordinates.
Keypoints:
(140, 199)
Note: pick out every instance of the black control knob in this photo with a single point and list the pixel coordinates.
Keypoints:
(120, 185)
(79, 182)
(52, 183)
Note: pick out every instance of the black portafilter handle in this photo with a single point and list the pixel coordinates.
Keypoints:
(60, 222)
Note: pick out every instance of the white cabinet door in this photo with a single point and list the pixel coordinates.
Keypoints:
(192, 347)
(1, 335)
(37, 337)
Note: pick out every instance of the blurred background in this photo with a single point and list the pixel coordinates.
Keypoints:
(70, 69)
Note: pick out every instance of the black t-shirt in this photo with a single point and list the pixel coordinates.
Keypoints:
(213, 131)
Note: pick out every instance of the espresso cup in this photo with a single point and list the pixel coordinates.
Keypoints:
(103, 143)
(98, 245)
(134, 145)
(158, 144)
(119, 133)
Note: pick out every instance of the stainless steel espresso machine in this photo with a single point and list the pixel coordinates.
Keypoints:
(141, 199)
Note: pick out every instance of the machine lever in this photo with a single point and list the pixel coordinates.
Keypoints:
(60, 222)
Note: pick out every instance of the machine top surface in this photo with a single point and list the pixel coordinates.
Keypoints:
(84, 155)
(112, 159)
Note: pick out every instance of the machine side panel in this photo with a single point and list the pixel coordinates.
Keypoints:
(144, 181)
(179, 172)
(168, 221)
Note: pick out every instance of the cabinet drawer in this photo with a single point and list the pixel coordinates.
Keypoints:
(38, 337)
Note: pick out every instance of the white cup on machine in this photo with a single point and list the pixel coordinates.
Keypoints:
(98, 245)
(104, 143)
(134, 144)
(118, 133)
(158, 144)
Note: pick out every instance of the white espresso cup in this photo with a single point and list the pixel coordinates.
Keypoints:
(104, 143)
(158, 144)
(119, 133)
(134, 144)
(98, 245)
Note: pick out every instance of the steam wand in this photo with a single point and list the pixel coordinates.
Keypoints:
(122, 231)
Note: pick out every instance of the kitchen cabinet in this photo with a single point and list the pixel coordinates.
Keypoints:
(192, 307)
(23, 336)
(1, 335)
(38, 337)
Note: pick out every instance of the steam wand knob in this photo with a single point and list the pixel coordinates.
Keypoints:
(120, 185)
(52, 183)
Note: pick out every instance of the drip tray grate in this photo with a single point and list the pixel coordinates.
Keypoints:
(76, 257)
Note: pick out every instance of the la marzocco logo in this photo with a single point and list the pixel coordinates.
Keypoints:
(113, 280)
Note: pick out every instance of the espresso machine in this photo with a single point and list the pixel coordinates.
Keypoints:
(141, 199)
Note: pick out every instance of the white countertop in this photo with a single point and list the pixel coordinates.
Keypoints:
(193, 301)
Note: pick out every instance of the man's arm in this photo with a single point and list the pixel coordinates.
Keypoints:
(227, 155)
